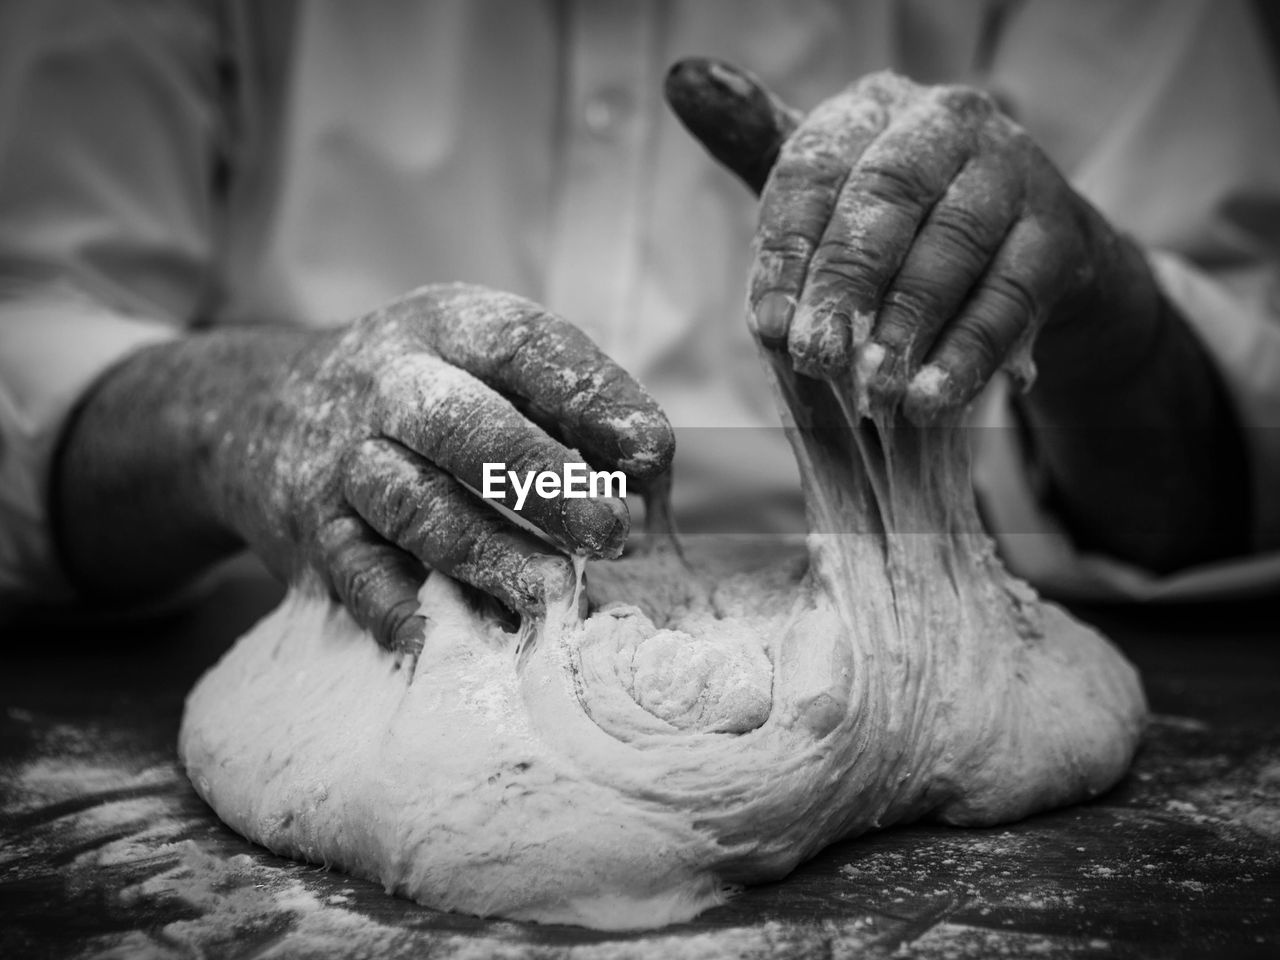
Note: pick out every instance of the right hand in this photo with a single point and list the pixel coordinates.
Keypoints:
(348, 467)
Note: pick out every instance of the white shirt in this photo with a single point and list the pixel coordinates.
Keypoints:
(197, 162)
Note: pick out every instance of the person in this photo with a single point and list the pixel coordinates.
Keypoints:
(197, 198)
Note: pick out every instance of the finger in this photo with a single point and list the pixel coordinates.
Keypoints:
(740, 123)
(459, 424)
(799, 198)
(421, 509)
(958, 240)
(376, 582)
(518, 349)
(881, 206)
(1006, 306)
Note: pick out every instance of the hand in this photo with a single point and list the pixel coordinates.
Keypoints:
(915, 231)
(919, 236)
(352, 466)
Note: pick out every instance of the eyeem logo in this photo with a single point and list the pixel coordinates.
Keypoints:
(575, 483)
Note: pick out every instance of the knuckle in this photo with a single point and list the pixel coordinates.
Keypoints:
(975, 345)
(334, 534)
(970, 103)
(593, 383)
(813, 161)
(906, 308)
(472, 545)
(883, 86)
(813, 156)
(858, 266)
(397, 381)
(1017, 135)
(465, 539)
(471, 303)
(1006, 138)
(354, 576)
(526, 334)
(420, 301)
(779, 266)
(585, 385)
(961, 229)
(895, 184)
(386, 499)
(488, 329)
(787, 245)
(534, 451)
(398, 511)
(1012, 298)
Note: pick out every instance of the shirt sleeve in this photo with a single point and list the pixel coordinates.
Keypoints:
(109, 136)
(1166, 116)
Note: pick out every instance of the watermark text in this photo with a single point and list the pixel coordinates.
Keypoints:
(574, 482)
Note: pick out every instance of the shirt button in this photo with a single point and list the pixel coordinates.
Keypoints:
(604, 112)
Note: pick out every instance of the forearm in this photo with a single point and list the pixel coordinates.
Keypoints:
(1145, 456)
(136, 507)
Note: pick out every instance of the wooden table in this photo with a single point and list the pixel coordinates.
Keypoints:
(106, 850)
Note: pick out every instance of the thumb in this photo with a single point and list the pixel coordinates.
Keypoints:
(730, 113)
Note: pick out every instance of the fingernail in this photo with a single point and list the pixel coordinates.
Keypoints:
(410, 634)
(773, 316)
(820, 343)
(931, 382)
(647, 444)
(880, 374)
(870, 359)
(600, 526)
(860, 324)
(726, 76)
(928, 393)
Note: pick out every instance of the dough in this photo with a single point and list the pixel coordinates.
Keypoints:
(705, 727)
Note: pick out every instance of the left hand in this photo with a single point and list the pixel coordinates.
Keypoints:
(914, 231)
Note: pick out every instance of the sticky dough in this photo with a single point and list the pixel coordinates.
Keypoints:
(706, 726)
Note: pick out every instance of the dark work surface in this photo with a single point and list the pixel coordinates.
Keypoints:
(106, 850)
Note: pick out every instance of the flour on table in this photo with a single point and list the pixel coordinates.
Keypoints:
(708, 725)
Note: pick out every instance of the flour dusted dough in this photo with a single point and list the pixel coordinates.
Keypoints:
(699, 730)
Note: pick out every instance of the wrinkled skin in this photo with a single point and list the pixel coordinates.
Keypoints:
(364, 446)
(341, 456)
(919, 237)
(926, 225)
